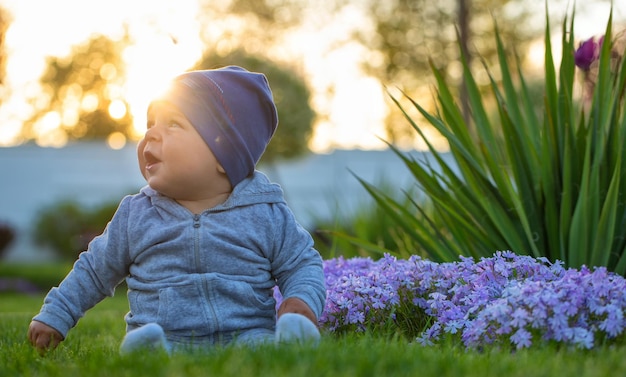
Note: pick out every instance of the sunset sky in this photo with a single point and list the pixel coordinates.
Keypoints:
(43, 28)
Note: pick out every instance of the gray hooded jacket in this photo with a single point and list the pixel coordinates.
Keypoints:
(207, 276)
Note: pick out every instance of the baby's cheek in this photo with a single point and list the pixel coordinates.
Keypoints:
(140, 158)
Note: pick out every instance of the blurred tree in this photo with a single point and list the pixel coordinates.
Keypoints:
(412, 33)
(81, 95)
(291, 96)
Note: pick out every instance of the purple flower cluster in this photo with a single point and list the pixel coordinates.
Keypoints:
(521, 300)
(363, 293)
(506, 299)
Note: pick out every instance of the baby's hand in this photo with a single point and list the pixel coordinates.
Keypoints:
(295, 305)
(43, 337)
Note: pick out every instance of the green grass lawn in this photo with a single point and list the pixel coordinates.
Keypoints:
(91, 350)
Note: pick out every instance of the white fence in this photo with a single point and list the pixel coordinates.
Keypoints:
(316, 187)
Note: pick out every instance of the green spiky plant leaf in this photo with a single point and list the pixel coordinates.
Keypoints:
(548, 184)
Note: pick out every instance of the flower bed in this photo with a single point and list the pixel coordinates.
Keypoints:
(507, 300)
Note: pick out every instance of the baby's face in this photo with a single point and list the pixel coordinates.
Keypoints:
(175, 160)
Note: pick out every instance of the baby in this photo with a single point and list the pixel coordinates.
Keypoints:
(203, 244)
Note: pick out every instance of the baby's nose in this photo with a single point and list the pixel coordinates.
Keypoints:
(153, 133)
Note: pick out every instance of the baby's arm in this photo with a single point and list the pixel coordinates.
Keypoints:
(43, 337)
(94, 276)
(298, 269)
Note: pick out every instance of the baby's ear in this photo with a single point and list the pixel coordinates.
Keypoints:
(221, 169)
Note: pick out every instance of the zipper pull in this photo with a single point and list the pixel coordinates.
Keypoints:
(196, 221)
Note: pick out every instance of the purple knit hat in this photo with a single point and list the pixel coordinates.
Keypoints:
(234, 112)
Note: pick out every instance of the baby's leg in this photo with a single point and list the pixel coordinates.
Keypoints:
(147, 337)
(254, 337)
(292, 327)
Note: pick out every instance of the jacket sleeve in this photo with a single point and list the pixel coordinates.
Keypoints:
(296, 265)
(94, 276)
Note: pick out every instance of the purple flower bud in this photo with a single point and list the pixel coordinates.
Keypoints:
(587, 53)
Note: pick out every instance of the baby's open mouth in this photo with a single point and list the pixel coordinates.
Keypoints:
(151, 159)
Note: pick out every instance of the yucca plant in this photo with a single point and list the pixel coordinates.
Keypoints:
(549, 185)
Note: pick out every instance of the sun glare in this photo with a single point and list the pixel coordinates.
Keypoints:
(166, 43)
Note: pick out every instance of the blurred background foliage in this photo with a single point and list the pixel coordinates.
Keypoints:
(67, 227)
(400, 36)
(7, 235)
